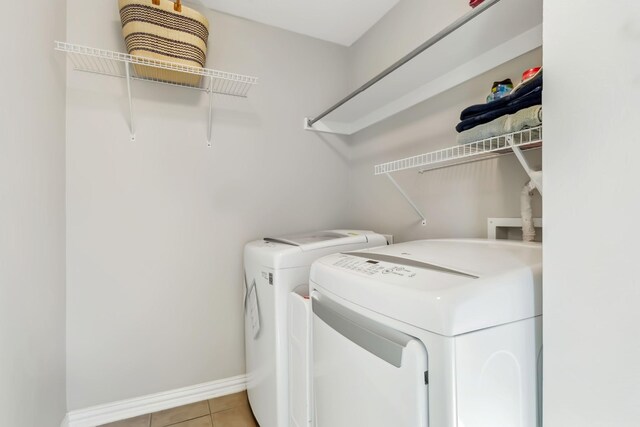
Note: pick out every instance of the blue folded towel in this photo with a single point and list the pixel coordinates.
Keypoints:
(532, 98)
(520, 91)
(525, 95)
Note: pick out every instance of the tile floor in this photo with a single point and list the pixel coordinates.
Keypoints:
(227, 411)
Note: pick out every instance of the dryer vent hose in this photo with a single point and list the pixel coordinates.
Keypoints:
(528, 230)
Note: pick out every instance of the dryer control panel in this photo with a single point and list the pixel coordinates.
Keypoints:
(371, 267)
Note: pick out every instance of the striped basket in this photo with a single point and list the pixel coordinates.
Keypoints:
(167, 31)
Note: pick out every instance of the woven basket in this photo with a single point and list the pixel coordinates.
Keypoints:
(167, 31)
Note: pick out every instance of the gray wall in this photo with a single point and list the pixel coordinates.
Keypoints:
(32, 208)
(456, 201)
(156, 227)
(591, 284)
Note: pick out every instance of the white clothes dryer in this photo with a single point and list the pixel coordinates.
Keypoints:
(431, 333)
(274, 267)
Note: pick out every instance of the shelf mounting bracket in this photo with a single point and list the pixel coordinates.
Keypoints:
(210, 123)
(408, 199)
(535, 176)
(132, 131)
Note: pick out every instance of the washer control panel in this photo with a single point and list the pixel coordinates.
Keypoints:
(371, 267)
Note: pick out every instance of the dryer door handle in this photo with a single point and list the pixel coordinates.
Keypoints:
(379, 340)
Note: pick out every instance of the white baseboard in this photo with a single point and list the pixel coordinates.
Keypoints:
(116, 411)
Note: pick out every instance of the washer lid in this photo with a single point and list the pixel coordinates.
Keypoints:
(322, 239)
(301, 250)
(449, 287)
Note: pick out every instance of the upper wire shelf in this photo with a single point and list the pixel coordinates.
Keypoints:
(503, 144)
(130, 67)
(112, 63)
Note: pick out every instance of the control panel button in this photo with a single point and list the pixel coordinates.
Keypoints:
(371, 267)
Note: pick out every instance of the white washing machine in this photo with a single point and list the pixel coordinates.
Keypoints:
(438, 333)
(274, 267)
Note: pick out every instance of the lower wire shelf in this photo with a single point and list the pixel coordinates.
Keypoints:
(514, 142)
(478, 150)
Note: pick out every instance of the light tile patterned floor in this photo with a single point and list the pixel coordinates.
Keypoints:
(227, 411)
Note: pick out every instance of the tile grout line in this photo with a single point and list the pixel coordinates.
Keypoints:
(183, 421)
(210, 415)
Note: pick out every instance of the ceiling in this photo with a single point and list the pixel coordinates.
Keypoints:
(338, 21)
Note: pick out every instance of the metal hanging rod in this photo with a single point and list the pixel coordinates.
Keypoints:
(417, 51)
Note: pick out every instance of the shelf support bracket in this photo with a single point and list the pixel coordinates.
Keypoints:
(132, 131)
(210, 124)
(535, 176)
(408, 199)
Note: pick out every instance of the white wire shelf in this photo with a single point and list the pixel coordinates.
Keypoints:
(110, 63)
(515, 142)
(503, 144)
(130, 68)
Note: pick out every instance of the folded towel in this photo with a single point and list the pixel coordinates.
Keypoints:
(520, 91)
(488, 130)
(532, 98)
(523, 119)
